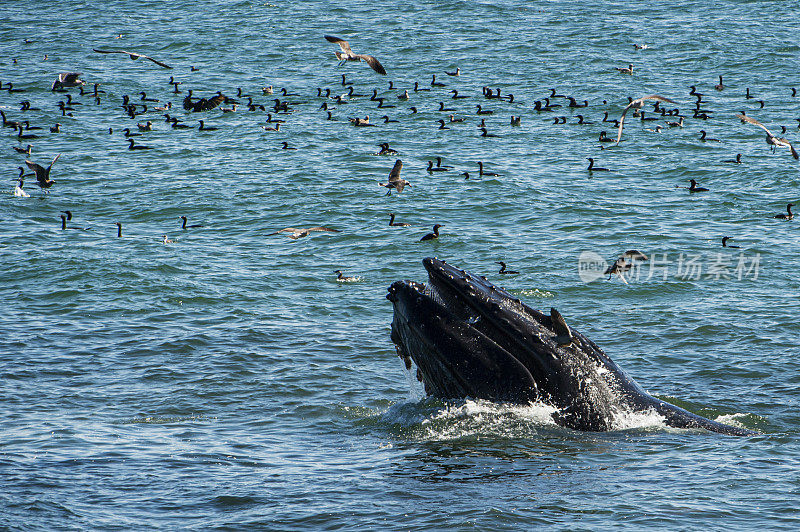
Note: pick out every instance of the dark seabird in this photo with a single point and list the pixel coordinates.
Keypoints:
(704, 138)
(694, 188)
(132, 55)
(395, 182)
(593, 168)
(397, 224)
(119, 229)
(348, 55)
(482, 173)
(184, 226)
(503, 269)
(24, 151)
(204, 127)
(432, 236)
(385, 149)
(787, 216)
(725, 240)
(719, 86)
(132, 146)
(42, 173)
(18, 192)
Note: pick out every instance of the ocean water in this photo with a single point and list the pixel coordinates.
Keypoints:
(228, 381)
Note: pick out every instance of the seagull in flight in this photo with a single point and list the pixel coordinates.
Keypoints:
(772, 140)
(67, 79)
(295, 233)
(638, 103)
(349, 55)
(395, 182)
(42, 173)
(132, 55)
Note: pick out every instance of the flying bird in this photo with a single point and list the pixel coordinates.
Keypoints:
(67, 79)
(772, 140)
(638, 104)
(349, 55)
(295, 233)
(42, 173)
(395, 182)
(133, 55)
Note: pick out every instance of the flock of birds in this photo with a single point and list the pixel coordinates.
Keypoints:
(487, 105)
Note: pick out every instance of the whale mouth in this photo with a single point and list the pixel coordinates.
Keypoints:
(472, 339)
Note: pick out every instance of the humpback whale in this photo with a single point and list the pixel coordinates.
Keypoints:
(469, 338)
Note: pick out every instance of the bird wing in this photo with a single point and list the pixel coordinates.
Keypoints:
(745, 118)
(110, 51)
(132, 55)
(214, 102)
(159, 63)
(373, 63)
(54, 162)
(638, 103)
(39, 169)
(341, 42)
(69, 77)
(291, 229)
(394, 175)
(319, 228)
(622, 121)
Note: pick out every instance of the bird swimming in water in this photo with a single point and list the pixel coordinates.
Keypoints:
(704, 138)
(342, 278)
(719, 86)
(638, 103)
(167, 240)
(694, 188)
(133, 146)
(738, 159)
(349, 55)
(395, 182)
(24, 151)
(18, 192)
(132, 55)
(482, 173)
(432, 236)
(787, 216)
(385, 149)
(625, 70)
(295, 233)
(392, 223)
(503, 269)
(593, 168)
(42, 173)
(184, 226)
(119, 229)
(456, 73)
(725, 240)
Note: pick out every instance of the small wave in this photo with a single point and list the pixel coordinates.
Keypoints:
(163, 420)
(532, 292)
